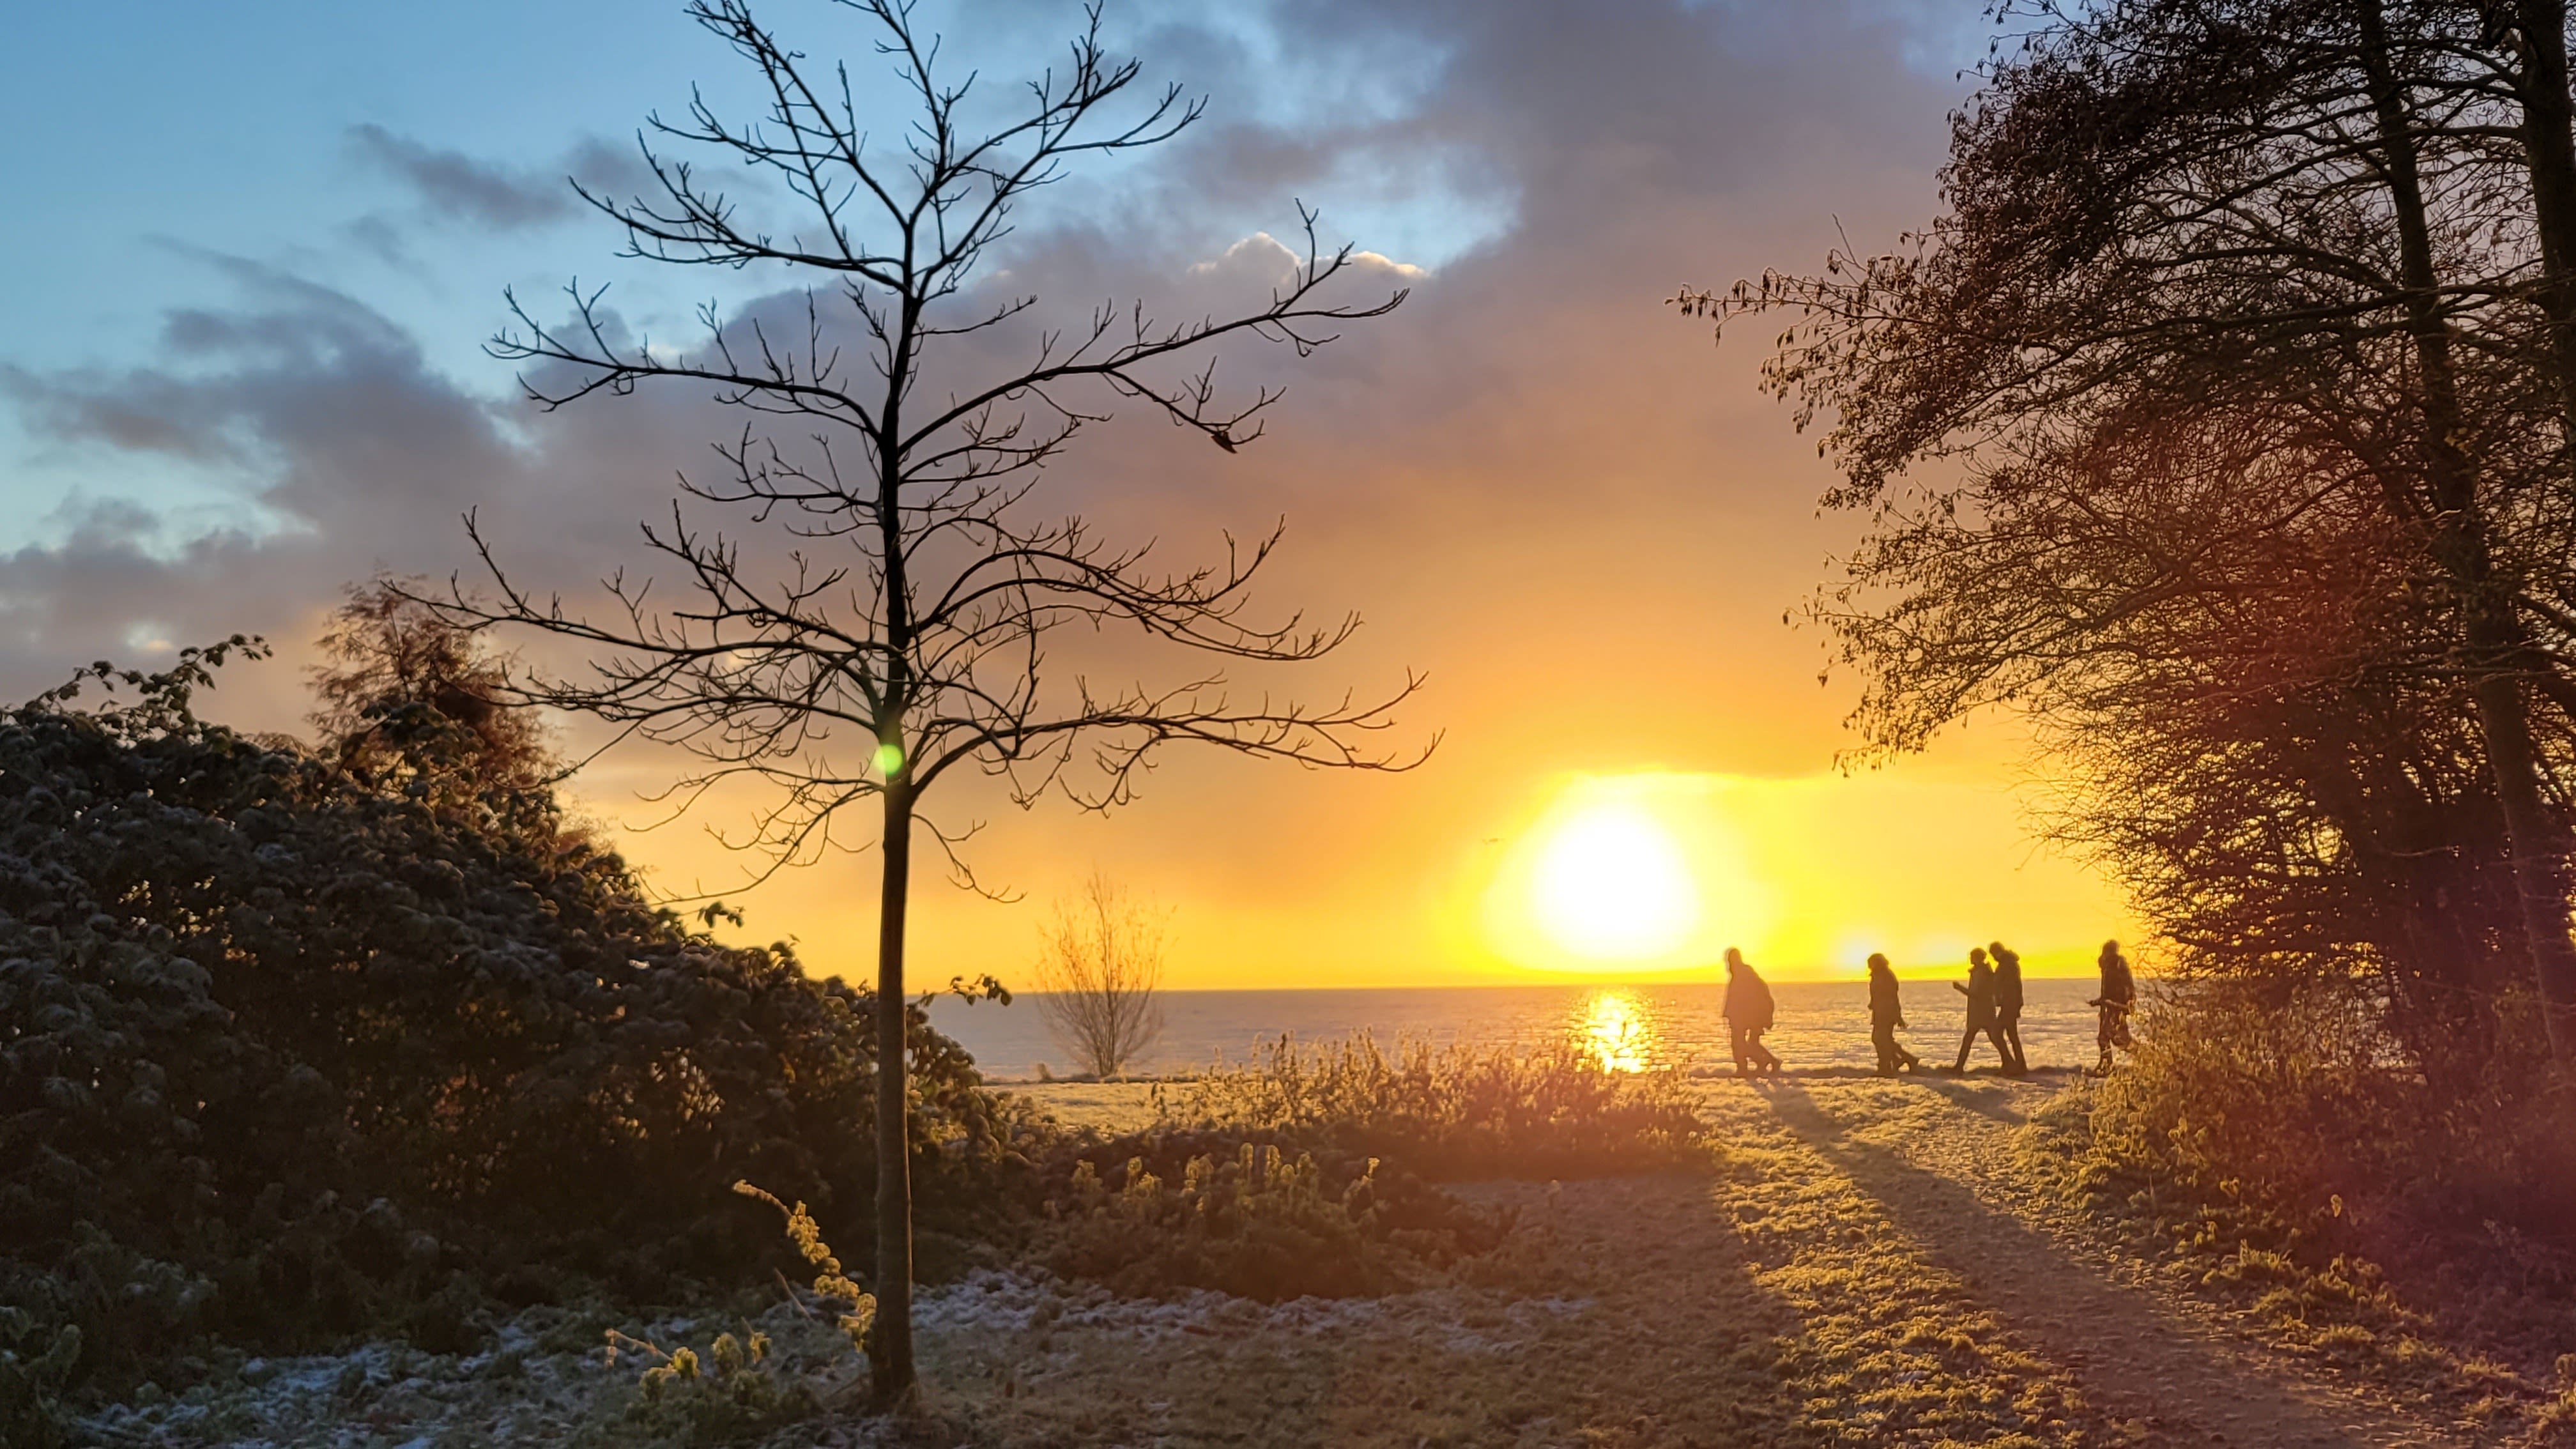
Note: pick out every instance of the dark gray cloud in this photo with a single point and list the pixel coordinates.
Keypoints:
(454, 187)
(1533, 462)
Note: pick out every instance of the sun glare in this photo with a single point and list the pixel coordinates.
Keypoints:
(1623, 873)
(1611, 885)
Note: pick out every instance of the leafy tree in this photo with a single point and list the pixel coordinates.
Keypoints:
(406, 692)
(2290, 237)
(909, 641)
(2229, 665)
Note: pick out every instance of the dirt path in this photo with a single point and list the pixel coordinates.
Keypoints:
(1935, 1157)
(1866, 1264)
(1868, 1268)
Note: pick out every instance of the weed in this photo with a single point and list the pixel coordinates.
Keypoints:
(1198, 1211)
(830, 1283)
(1458, 1111)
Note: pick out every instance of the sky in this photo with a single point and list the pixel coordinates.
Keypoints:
(242, 366)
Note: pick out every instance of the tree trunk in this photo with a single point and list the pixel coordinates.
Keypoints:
(2549, 147)
(2539, 867)
(2549, 152)
(890, 1366)
(2460, 548)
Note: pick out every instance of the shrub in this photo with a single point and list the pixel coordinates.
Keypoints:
(35, 1363)
(1304, 1171)
(2302, 1104)
(730, 1392)
(2278, 1150)
(1458, 1111)
(1163, 1211)
(286, 1054)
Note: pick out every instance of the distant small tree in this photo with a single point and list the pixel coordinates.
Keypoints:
(1099, 969)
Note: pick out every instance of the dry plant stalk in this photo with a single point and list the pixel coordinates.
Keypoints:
(829, 1280)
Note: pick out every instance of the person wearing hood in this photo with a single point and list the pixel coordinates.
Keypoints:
(1886, 1019)
(2008, 1005)
(2119, 998)
(1980, 991)
(1748, 1014)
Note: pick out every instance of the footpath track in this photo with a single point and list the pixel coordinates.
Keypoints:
(1934, 1159)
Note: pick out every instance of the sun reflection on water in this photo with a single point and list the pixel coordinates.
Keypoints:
(1615, 1030)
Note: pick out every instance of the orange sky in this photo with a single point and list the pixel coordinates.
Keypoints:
(1283, 878)
(1535, 483)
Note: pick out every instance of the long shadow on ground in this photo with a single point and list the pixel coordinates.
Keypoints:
(1628, 1317)
(2128, 1355)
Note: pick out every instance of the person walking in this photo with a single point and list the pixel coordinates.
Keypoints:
(2008, 1004)
(1886, 1019)
(1748, 1013)
(2118, 1000)
(1980, 991)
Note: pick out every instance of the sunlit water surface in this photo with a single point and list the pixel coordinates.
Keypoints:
(1630, 1028)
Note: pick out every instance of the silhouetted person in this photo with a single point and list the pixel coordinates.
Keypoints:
(2008, 1003)
(1981, 1010)
(2118, 999)
(1886, 1019)
(1748, 1015)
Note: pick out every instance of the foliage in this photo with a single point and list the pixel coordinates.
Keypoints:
(408, 696)
(731, 1391)
(2221, 423)
(35, 1364)
(1102, 960)
(1456, 1111)
(1219, 1210)
(1309, 1169)
(2275, 1156)
(287, 1053)
(830, 1283)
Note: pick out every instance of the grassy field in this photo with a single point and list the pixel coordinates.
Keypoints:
(1862, 1263)
(1856, 1263)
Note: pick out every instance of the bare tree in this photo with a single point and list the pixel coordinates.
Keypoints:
(1100, 966)
(902, 637)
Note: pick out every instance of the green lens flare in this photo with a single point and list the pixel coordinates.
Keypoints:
(889, 759)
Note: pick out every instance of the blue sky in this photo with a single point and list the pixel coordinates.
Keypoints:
(154, 138)
(149, 138)
(259, 247)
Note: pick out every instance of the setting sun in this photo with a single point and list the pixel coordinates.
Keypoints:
(1634, 872)
(1612, 886)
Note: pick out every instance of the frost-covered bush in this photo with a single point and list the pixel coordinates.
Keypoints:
(1164, 1211)
(289, 1051)
(1448, 1112)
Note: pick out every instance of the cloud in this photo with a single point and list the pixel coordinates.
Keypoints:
(1533, 479)
(454, 187)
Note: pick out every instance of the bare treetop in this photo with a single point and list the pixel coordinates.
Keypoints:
(895, 627)
(922, 581)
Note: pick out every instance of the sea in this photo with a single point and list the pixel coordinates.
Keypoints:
(1819, 1024)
